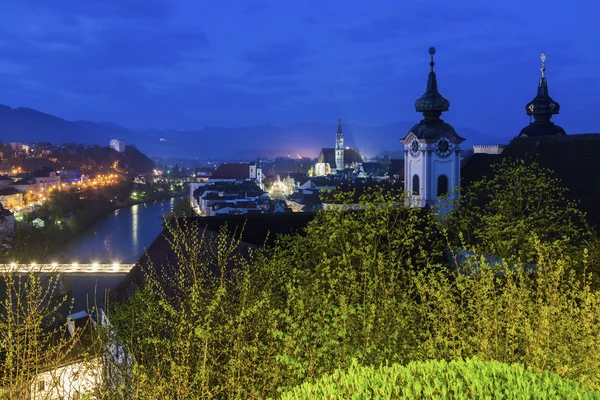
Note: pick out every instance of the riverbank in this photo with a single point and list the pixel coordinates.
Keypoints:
(67, 215)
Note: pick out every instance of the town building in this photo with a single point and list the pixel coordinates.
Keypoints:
(238, 197)
(338, 158)
(237, 172)
(19, 149)
(117, 144)
(11, 198)
(489, 149)
(431, 149)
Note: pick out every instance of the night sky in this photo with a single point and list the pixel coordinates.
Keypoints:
(186, 64)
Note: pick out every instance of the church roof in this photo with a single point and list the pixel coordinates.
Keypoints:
(433, 129)
(542, 108)
(573, 158)
(232, 171)
(432, 100)
(432, 104)
(351, 155)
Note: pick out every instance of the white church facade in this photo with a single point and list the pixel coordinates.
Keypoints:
(431, 150)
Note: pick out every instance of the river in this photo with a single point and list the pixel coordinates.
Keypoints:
(122, 236)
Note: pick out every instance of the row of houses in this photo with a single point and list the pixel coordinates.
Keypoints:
(234, 189)
(39, 183)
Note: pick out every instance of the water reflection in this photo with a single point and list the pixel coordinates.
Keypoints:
(121, 237)
(134, 225)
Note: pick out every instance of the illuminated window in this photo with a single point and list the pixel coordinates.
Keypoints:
(415, 185)
(442, 185)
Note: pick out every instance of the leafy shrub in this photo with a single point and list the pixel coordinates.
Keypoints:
(459, 379)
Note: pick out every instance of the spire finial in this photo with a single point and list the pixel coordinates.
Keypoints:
(543, 58)
(431, 53)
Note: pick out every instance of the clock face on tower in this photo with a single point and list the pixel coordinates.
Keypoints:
(443, 147)
(414, 147)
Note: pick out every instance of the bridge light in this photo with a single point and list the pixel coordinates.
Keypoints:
(55, 265)
(115, 265)
(33, 265)
(74, 265)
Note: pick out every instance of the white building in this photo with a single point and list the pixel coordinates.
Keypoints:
(431, 149)
(488, 149)
(117, 144)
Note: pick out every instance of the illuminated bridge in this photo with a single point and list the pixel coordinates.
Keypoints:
(74, 268)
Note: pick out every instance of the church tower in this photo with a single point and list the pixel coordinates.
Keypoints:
(339, 147)
(542, 108)
(431, 149)
(259, 173)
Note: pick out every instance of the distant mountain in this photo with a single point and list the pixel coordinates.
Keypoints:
(267, 141)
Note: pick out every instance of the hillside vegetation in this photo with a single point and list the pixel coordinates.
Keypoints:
(387, 285)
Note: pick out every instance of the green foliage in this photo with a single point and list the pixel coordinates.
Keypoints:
(34, 336)
(500, 214)
(547, 318)
(343, 290)
(468, 379)
(365, 284)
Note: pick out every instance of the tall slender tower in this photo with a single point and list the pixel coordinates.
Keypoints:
(339, 147)
(431, 149)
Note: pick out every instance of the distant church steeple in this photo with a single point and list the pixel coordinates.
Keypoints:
(542, 108)
(339, 147)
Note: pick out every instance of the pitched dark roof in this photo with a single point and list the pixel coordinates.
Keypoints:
(573, 158)
(25, 181)
(397, 167)
(351, 155)
(477, 166)
(7, 191)
(232, 171)
(257, 229)
(42, 172)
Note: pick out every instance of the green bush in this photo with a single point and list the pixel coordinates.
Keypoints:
(460, 379)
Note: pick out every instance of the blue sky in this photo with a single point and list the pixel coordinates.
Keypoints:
(186, 64)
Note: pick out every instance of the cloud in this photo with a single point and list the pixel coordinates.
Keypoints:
(421, 22)
(280, 58)
(131, 10)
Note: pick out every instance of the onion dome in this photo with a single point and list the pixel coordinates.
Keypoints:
(432, 102)
(542, 108)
